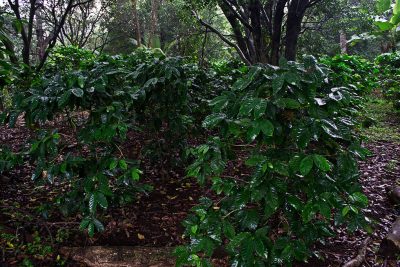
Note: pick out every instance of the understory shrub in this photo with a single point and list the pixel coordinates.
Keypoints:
(353, 70)
(281, 153)
(389, 64)
(283, 165)
(112, 95)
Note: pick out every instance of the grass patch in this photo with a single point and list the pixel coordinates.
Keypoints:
(385, 121)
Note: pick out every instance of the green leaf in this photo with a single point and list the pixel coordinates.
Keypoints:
(292, 78)
(288, 103)
(271, 202)
(247, 106)
(325, 210)
(395, 20)
(246, 250)
(306, 165)
(243, 83)
(360, 197)
(383, 5)
(229, 230)
(278, 83)
(84, 224)
(102, 200)
(259, 247)
(63, 100)
(151, 82)
(193, 229)
(213, 120)
(135, 174)
(260, 108)
(345, 211)
(308, 212)
(295, 202)
(331, 129)
(113, 164)
(98, 224)
(91, 229)
(266, 127)
(219, 102)
(18, 25)
(123, 165)
(322, 163)
(384, 25)
(396, 8)
(250, 219)
(92, 203)
(81, 82)
(78, 92)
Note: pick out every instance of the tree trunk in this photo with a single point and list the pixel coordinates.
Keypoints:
(295, 16)
(277, 31)
(154, 39)
(41, 42)
(136, 22)
(261, 55)
(240, 40)
(343, 42)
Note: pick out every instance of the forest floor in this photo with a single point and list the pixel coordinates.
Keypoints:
(35, 233)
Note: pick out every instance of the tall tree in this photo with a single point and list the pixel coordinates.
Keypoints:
(85, 25)
(29, 15)
(154, 36)
(136, 22)
(263, 31)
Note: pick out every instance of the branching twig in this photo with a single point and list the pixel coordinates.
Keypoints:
(223, 38)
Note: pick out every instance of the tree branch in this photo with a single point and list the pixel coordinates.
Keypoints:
(223, 38)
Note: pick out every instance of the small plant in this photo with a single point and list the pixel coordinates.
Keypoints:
(8, 160)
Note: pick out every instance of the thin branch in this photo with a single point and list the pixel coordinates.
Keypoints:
(236, 14)
(223, 38)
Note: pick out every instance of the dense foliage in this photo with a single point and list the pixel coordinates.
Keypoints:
(353, 70)
(295, 131)
(103, 99)
(207, 89)
(390, 76)
(292, 126)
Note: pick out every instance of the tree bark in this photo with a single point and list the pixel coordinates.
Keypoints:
(296, 11)
(233, 21)
(258, 37)
(277, 31)
(136, 23)
(41, 42)
(343, 42)
(154, 31)
(258, 27)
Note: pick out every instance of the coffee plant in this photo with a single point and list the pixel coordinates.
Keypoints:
(7, 70)
(283, 165)
(353, 70)
(103, 98)
(390, 77)
(8, 159)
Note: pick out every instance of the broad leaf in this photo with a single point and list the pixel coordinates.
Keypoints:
(322, 163)
(78, 92)
(306, 165)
